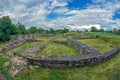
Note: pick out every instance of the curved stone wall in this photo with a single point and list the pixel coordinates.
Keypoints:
(72, 61)
(27, 36)
(91, 58)
(17, 40)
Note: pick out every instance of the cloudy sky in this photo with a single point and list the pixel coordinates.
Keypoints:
(63, 13)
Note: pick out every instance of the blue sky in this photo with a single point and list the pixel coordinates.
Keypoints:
(72, 14)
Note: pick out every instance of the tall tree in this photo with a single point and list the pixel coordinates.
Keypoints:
(6, 28)
(93, 29)
(20, 28)
(33, 30)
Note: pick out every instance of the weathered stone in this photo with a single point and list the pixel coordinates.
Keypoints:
(2, 77)
(14, 71)
(6, 64)
(31, 67)
(36, 66)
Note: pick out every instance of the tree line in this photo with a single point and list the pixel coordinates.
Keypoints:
(114, 31)
(8, 28)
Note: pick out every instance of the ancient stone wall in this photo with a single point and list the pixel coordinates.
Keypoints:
(91, 57)
(83, 48)
(30, 51)
(17, 40)
(72, 61)
(27, 36)
(61, 42)
(82, 37)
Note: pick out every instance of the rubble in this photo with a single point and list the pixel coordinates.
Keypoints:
(2, 77)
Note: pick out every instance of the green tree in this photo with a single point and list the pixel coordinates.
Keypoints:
(94, 29)
(21, 28)
(33, 30)
(102, 30)
(40, 30)
(6, 28)
(65, 30)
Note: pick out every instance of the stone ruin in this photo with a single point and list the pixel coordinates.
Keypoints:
(17, 40)
(83, 48)
(30, 51)
(90, 56)
(19, 63)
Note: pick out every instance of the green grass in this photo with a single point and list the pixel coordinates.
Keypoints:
(24, 46)
(3, 59)
(60, 37)
(58, 49)
(100, 44)
(102, 35)
(2, 44)
(43, 38)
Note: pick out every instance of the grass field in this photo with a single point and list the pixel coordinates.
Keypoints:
(109, 70)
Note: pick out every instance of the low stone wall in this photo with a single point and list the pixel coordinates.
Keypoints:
(27, 36)
(13, 44)
(17, 40)
(82, 37)
(30, 51)
(61, 42)
(91, 57)
(83, 48)
(72, 61)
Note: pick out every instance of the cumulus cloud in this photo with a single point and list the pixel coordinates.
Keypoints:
(35, 12)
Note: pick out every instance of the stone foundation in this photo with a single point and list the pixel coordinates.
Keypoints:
(17, 40)
(83, 48)
(72, 61)
(90, 57)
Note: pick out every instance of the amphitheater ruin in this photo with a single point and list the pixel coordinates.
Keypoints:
(90, 56)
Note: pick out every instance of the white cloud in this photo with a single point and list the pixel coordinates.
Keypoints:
(99, 1)
(88, 27)
(36, 15)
